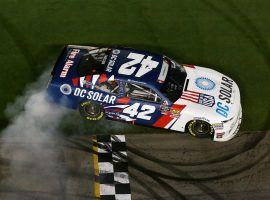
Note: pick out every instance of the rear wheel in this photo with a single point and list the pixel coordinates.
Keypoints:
(91, 110)
(200, 129)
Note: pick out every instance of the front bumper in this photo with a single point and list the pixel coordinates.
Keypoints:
(229, 129)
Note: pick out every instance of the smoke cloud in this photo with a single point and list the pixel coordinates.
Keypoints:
(33, 166)
(33, 154)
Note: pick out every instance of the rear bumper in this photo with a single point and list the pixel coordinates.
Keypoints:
(229, 129)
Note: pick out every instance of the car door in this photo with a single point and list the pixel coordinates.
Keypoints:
(142, 104)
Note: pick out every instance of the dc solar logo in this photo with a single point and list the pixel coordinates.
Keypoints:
(205, 83)
(66, 89)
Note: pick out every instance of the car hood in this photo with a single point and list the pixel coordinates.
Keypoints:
(209, 93)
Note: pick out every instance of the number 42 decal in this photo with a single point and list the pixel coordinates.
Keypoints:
(144, 112)
(147, 65)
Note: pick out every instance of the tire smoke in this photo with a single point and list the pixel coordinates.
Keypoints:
(28, 146)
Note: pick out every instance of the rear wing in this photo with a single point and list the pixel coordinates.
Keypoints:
(82, 47)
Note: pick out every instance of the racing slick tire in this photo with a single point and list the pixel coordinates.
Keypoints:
(200, 129)
(91, 110)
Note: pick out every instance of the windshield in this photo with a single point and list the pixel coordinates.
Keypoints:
(174, 82)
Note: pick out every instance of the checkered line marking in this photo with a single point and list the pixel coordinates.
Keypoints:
(111, 167)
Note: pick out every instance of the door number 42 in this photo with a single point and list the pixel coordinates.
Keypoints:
(142, 113)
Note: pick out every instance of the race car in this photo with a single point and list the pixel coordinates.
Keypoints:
(145, 88)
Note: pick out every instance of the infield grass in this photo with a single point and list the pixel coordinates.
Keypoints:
(230, 36)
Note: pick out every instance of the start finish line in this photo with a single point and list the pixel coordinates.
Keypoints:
(111, 167)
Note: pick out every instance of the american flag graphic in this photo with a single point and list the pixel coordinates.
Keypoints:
(191, 96)
(196, 97)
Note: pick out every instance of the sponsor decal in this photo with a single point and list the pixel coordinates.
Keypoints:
(116, 51)
(69, 62)
(95, 96)
(206, 100)
(205, 83)
(196, 97)
(226, 90)
(218, 126)
(222, 109)
(225, 95)
(104, 59)
(164, 109)
(66, 89)
(202, 118)
(176, 110)
(112, 60)
(175, 113)
(114, 115)
(220, 135)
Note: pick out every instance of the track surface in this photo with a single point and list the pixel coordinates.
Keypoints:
(181, 167)
(161, 166)
(230, 36)
(63, 170)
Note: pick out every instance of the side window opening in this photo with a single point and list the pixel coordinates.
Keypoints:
(140, 92)
(111, 87)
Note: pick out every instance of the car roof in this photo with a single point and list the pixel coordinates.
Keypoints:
(137, 66)
(121, 63)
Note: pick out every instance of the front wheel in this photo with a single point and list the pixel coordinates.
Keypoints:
(91, 110)
(200, 129)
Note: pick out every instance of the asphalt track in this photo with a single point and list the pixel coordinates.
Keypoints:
(229, 36)
(161, 166)
(62, 170)
(180, 167)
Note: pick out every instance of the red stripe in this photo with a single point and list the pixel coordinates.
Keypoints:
(187, 65)
(191, 95)
(75, 81)
(178, 107)
(189, 99)
(87, 78)
(163, 121)
(102, 78)
(191, 92)
(123, 100)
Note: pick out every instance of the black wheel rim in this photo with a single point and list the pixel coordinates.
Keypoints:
(91, 110)
(201, 127)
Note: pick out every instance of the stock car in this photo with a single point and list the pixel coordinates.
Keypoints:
(146, 88)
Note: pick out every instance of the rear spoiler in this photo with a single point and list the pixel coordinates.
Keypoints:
(82, 47)
(58, 60)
